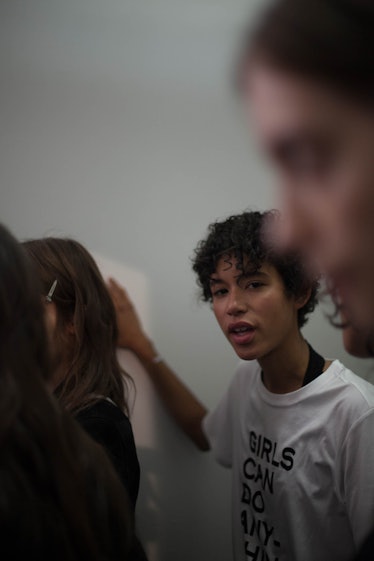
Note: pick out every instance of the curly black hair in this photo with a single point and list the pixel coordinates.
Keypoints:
(242, 236)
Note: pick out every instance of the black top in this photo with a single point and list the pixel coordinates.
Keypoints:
(316, 364)
(110, 427)
(367, 550)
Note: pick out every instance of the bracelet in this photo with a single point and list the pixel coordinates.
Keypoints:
(157, 359)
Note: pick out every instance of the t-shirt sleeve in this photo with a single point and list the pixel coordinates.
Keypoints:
(357, 476)
(219, 427)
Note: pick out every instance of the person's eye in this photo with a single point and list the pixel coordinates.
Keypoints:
(304, 158)
(254, 285)
(218, 293)
(308, 162)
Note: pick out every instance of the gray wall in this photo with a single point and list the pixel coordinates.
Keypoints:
(119, 128)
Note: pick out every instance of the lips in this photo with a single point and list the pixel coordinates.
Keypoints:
(241, 333)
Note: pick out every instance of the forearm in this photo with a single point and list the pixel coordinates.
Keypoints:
(180, 402)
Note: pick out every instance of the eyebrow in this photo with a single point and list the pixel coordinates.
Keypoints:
(256, 274)
(215, 281)
(288, 142)
(285, 145)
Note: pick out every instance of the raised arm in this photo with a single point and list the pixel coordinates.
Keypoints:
(179, 401)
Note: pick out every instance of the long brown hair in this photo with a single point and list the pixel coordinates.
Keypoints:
(329, 41)
(81, 298)
(60, 498)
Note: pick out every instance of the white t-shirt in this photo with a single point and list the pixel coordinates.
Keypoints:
(302, 465)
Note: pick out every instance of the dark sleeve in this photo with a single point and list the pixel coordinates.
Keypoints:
(116, 437)
(367, 550)
(119, 444)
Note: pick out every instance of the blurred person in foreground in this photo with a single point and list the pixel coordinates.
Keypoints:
(306, 72)
(307, 76)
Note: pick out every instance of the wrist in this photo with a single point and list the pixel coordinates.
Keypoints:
(147, 353)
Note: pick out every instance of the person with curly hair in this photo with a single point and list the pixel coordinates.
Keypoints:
(294, 427)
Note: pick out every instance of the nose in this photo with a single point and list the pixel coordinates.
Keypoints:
(293, 230)
(236, 304)
(287, 237)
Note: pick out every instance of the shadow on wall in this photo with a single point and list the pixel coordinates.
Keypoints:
(180, 512)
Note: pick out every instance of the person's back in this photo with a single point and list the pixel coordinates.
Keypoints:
(109, 426)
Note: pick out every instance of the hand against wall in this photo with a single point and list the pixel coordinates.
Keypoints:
(130, 331)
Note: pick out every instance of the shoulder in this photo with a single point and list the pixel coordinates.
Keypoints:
(106, 423)
(235, 397)
(102, 409)
(357, 391)
(367, 551)
(246, 378)
(103, 412)
(352, 400)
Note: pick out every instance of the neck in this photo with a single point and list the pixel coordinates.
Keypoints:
(284, 369)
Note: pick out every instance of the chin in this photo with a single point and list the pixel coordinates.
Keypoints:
(246, 354)
(357, 343)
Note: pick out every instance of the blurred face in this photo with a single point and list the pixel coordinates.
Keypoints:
(322, 148)
(356, 342)
(254, 312)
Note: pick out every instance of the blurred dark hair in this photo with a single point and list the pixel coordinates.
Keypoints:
(59, 496)
(81, 298)
(330, 41)
(243, 236)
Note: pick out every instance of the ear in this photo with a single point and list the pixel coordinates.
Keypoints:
(303, 299)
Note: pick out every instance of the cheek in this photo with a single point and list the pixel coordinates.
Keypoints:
(354, 342)
(345, 219)
(306, 216)
(332, 221)
(50, 319)
(218, 313)
(356, 203)
(273, 307)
